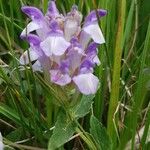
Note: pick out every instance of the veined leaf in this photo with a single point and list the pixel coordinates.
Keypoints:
(99, 134)
(64, 129)
(83, 107)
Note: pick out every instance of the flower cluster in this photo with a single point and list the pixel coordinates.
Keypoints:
(64, 48)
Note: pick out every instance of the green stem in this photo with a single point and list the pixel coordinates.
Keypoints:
(131, 119)
(45, 5)
(140, 91)
(49, 111)
(49, 104)
(114, 97)
(86, 138)
(90, 144)
(146, 129)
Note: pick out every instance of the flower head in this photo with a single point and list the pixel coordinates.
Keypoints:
(63, 47)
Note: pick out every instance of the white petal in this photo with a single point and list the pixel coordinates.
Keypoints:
(56, 45)
(24, 59)
(56, 59)
(59, 78)
(42, 34)
(32, 26)
(87, 83)
(96, 60)
(84, 39)
(37, 66)
(1, 142)
(75, 59)
(70, 28)
(95, 32)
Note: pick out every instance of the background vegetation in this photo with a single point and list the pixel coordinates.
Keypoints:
(122, 103)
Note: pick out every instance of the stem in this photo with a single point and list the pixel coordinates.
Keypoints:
(45, 5)
(114, 97)
(49, 104)
(88, 141)
(147, 126)
(86, 138)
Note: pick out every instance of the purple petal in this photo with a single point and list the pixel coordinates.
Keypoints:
(86, 70)
(76, 47)
(24, 59)
(54, 26)
(32, 12)
(33, 39)
(64, 66)
(92, 53)
(52, 9)
(75, 55)
(75, 43)
(93, 58)
(86, 83)
(92, 47)
(56, 45)
(92, 17)
(94, 31)
(86, 66)
(58, 78)
(75, 14)
(34, 42)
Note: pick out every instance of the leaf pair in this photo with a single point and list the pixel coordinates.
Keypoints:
(66, 126)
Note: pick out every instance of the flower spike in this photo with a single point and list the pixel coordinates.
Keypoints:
(63, 46)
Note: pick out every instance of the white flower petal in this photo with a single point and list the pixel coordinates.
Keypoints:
(74, 59)
(56, 45)
(87, 83)
(58, 78)
(95, 32)
(37, 66)
(1, 142)
(70, 28)
(32, 26)
(84, 39)
(96, 60)
(24, 59)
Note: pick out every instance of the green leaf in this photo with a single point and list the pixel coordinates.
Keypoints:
(8, 148)
(83, 107)
(99, 134)
(9, 113)
(15, 135)
(64, 129)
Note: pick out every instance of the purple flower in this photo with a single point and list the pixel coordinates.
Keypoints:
(63, 47)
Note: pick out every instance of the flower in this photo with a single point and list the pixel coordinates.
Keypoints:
(1, 142)
(64, 48)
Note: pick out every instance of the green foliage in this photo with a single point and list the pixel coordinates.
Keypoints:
(15, 135)
(100, 135)
(28, 108)
(63, 131)
(83, 107)
(9, 113)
